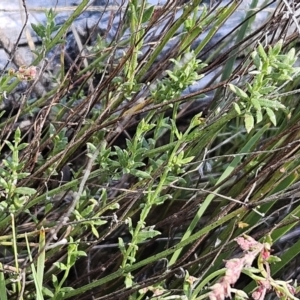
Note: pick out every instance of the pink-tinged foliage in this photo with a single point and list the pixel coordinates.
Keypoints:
(219, 291)
(235, 266)
(249, 258)
(260, 292)
(265, 254)
(27, 73)
(24, 73)
(247, 243)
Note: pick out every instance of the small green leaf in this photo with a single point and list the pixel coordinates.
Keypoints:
(237, 108)
(48, 292)
(119, 151)
(273, 259)
(262, 53)
(249, 87)
(277, 48)
(3, 183)
(122, 246)
(10, 145)
(80, 253)
(99, 222)
(271, 115)
(291, 55)
(255, 103)
(86, 212)
(52, 130)
(140, 174)
(238, 92)
(267, 89)
(17, 136)
(128, 280)
(146, 234)
(186, 160)
(172, 76)
(72, 258)
(61, 266)
(54, 281)
(39, 30)
(91, 149)
(271, 104)
(259, 116)
(130, 227)
(113, 206)
(256, 60)
(249, 122)
(122, 156)
(55, 28)
(148, 14)
(21, 146)
(95, 232)
(25, 191)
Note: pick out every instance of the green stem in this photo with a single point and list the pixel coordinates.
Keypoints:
(156, 257)
(204, 134)
(204, 282)
(220, 21)
(64, 28)
(167, 37)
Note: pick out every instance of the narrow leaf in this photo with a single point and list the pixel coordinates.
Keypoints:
(259, 116)
(140, 174)
(271, 116)
(237, 108)
(147, 234)
(95, 232)
(38, 29)
(238, 92)
(147, 14)
(255, 103)
(262, 52)
(277, 48)
(41, 260)
(256, 60)
(271, 104)
(25, 191)
(249, 122)
(2, 284)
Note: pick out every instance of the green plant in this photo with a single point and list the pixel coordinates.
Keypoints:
(72, 255)
(11, 172)
(121, 186)
(271, 70)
